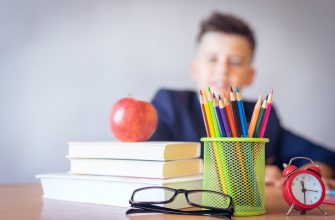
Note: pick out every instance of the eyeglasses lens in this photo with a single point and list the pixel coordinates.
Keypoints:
(209, 199)
(153, 195)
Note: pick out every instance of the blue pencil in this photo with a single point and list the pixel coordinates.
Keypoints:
(241, 114)
(247, 148)
(219, 118)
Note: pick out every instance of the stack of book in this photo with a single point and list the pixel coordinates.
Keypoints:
(108, 172)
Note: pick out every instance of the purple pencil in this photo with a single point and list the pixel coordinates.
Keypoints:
(224, 117)
(218, 117)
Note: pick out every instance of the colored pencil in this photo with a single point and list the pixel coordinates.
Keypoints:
(225, 161)
(219, 117)
(266, 115)
(204, 114)
(211, 107)
(241, 113)
(217, 159)
(254, 117)
(260, 119)
(224, 117)
(225, 109)
(252, 128)
(246, 146)
(230, 116)
(208, 115)
(235, 112)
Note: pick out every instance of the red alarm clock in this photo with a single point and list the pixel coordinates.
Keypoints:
(303, 189)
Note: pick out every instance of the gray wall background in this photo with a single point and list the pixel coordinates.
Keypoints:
(64, 63)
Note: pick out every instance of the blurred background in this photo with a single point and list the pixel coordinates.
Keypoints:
(64, 63)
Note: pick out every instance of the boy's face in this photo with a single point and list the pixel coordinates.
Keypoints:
(222, 60)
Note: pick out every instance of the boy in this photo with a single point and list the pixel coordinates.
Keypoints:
(226, 46)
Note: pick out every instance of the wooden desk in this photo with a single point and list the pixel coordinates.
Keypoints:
(24, 202)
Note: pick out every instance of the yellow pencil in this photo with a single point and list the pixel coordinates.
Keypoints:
(254, 117)
(208, 115)
(218, 163)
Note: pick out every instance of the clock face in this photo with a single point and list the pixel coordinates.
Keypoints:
(306, 189)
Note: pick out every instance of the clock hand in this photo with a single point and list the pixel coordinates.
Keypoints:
(302, 185)
(303, 190)
(311, 190)
(304, 197)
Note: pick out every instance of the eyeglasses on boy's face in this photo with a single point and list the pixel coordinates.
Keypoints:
(210, 203)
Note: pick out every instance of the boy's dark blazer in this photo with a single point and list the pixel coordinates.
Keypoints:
(180, 119)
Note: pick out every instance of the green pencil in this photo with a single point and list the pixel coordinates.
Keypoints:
(211, 107)
(260, 119)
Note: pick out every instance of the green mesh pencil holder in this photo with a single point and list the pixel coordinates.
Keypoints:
(236, 166)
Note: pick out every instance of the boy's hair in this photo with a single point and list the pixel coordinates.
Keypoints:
(229, 24)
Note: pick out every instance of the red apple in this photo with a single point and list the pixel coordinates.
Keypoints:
(133, 120)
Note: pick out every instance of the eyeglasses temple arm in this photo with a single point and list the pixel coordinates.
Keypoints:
(147, 208)
(137, 210)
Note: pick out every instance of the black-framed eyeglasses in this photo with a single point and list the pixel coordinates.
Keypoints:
(152, 199)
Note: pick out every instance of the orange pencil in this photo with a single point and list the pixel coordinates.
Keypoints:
(238, 149)
(254, 117)
(204, 114)
(230, 116)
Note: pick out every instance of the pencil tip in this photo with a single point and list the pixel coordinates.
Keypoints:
(200, 92)
(259, 99)
(237, 90)
(231, 89)
(213, 95)
(219, 97)
(271, 91)
(209, 89)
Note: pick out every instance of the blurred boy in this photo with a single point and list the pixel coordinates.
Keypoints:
(226, 46)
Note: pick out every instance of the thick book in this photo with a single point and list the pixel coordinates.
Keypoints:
(108, 190)
(137, 168)
(135, 150)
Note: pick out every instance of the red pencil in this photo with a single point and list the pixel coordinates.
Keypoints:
(266, 115)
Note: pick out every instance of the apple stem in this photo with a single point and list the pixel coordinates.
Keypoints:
(130, 95)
